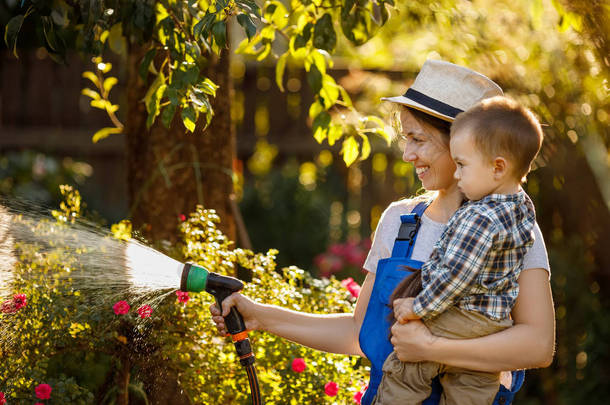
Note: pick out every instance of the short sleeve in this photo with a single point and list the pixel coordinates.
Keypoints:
(386, 232)
(536, 257)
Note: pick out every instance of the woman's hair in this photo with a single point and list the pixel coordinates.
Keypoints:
(409, 287)
(441, 125)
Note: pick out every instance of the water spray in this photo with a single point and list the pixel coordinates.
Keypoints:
(195, 278)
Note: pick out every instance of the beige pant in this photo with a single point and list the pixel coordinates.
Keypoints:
(410, 383)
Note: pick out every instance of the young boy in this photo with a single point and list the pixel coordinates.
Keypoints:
(469, 284)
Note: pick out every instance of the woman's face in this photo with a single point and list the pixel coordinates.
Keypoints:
(427, 148)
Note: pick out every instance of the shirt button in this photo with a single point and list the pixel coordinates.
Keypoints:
(502, 400)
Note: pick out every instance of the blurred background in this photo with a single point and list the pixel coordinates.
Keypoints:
(298, 196)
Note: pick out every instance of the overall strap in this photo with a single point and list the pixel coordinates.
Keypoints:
(407, 234)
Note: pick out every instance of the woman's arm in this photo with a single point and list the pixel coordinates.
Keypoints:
(335, 333)
(528, 344)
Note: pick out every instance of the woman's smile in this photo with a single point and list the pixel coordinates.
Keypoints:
(421, 171)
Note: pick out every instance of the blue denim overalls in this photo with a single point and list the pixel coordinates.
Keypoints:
(375, 329)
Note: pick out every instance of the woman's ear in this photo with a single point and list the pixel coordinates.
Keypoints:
(500, 167)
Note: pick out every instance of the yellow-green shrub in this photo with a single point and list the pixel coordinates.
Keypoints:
(179, 340)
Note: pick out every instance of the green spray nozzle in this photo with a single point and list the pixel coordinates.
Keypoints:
(194, 278)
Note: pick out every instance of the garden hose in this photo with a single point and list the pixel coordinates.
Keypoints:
(195, 279)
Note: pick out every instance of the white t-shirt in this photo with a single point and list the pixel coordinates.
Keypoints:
(429, 233)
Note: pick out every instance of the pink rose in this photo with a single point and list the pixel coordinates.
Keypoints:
(20, 301)
(43, 391)
(351, 286)
(145, 311)
(2, 398)
(121, 307)
(8, 307)
(331, 388)
(183, 296)
(182, 217)
(298, 365)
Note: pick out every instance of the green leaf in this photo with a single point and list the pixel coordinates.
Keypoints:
(189, 118)
(104, 133)
(334, 134)
(93, 77)
(380, 130)
(209, 87)
(366, 147)
(219, 31)
(346, 98)
(303, 37)
(279, 71)
(315, 58)
(91, 93)
(324, 36)
(59, 14)
(349, 150)
(144, 66)
(167, 115)
(109, 83)
(315, 109)
(245, 21)
(320, 126)
(152, 99)
(329, 91)
(11, 32)
(101, 104)
(314, 78)
(250, 7)
(275, 12)
(116, 40)
(203, 26)
(191, 75)
(266, 50)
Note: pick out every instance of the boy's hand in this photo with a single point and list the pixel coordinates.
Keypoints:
(403, 310)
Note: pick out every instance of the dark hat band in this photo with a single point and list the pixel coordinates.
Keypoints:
(432, 103)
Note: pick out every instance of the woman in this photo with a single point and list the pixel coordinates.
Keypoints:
(440, 91)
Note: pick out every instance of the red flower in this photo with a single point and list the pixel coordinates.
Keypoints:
(145, 311)
(183, 296)
(331, 388)
(351, 286)
(182, 217)
(38, 403)
(358, 396)
(2, 398)
(20, 301)
(15, 304)
(43, 391)
(298, 365)
(121, 307)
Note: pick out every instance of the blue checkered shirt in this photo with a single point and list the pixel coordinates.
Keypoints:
(476, 262)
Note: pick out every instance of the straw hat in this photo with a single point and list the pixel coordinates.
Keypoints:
(444, 90)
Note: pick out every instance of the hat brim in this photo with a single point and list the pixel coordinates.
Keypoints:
(413, 104)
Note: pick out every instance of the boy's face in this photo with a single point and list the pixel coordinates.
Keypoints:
(474, 171)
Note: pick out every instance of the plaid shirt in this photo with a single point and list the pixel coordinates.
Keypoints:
(478, 258)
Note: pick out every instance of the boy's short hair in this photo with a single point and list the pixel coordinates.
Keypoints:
(502, 127)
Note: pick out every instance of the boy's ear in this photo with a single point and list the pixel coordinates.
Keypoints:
(500, 167)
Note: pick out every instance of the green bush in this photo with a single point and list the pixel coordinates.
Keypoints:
(67, 338)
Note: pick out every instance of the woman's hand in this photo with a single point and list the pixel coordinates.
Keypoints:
(246, 307)
(411, 341)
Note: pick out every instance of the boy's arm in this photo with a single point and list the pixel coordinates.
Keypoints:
(465, 255)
